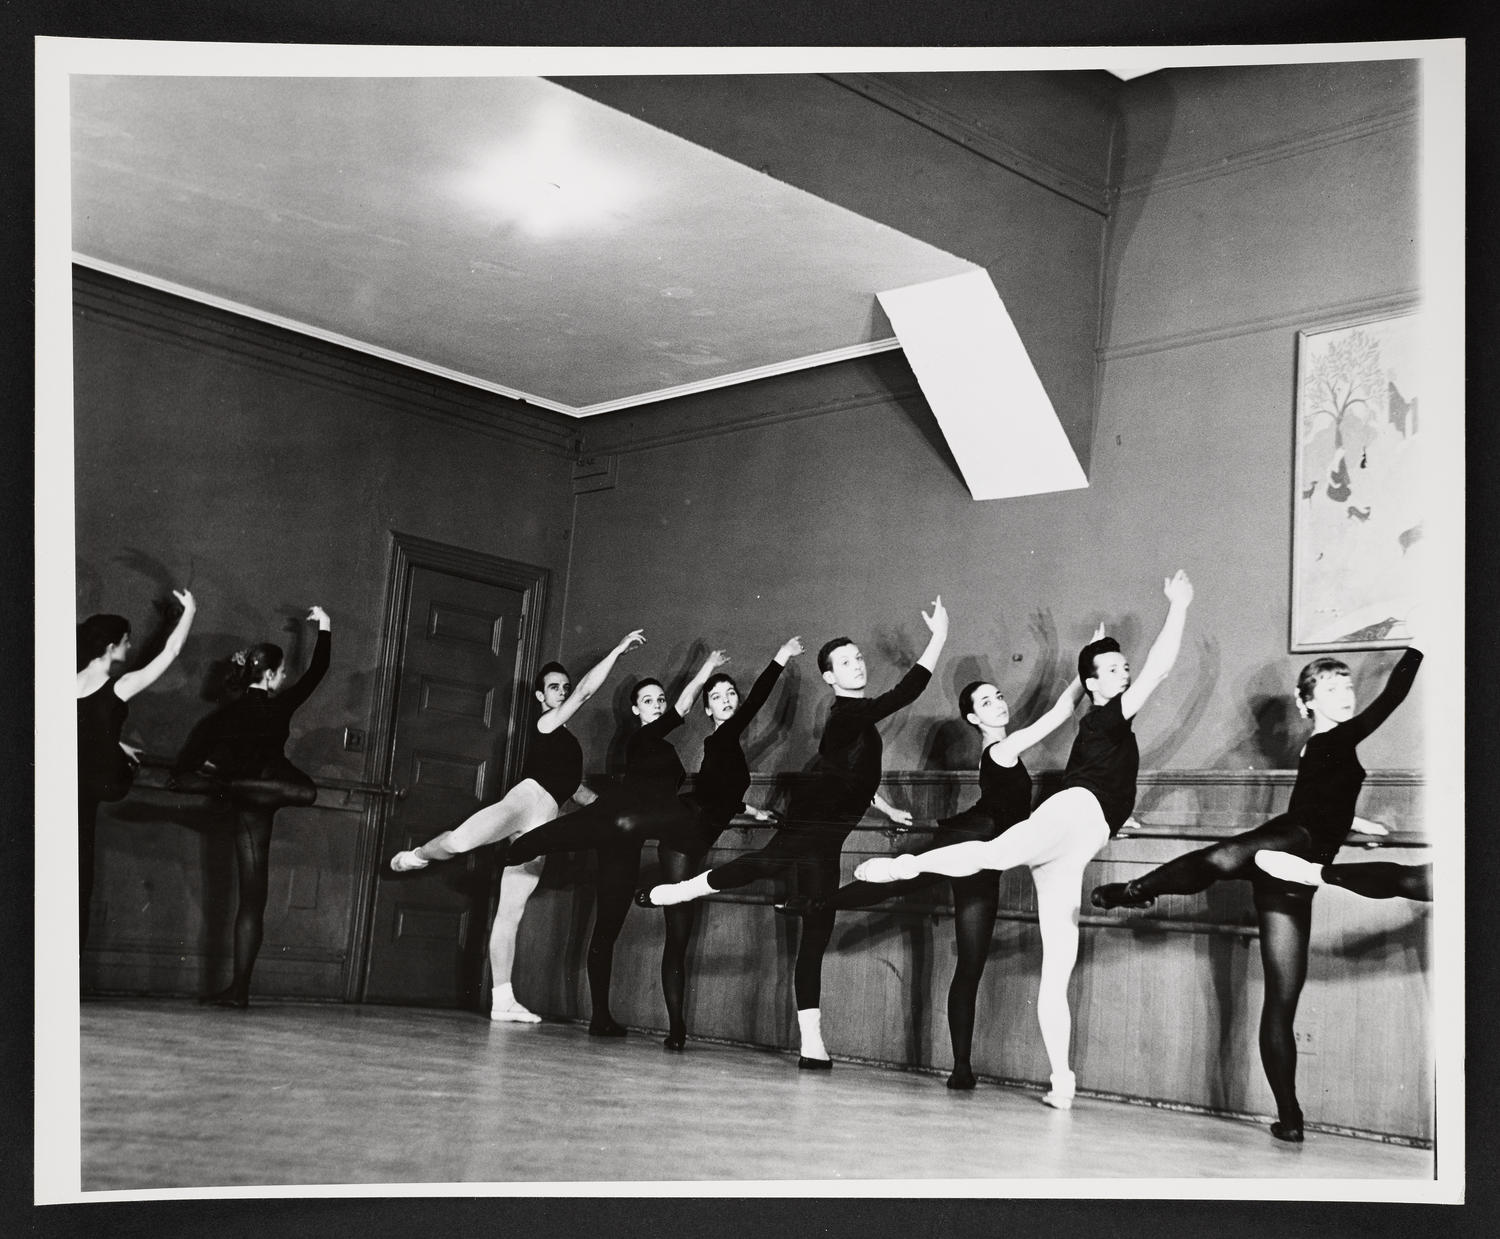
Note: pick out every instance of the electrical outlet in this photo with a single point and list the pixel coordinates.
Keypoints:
(354, 740)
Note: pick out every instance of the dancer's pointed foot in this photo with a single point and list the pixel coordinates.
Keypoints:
(606, 1027)
(512, 1012)
(1290, 868)
(887, 869)
(675, 1040)
(802, 905)
(1290, 1132)
(1119, 895)
(405, 862)
(962, 1077)
(1060, 1095)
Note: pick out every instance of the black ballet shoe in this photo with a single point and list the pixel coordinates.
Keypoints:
(1119, 895)
(1290, 1132)
(674, 1041)
(643, 898)
(802, 905)
(606, 1028)
(814, 1064)
(225, 998)
(962, 1078)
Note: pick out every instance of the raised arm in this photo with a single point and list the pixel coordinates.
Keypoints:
(1018, 741)
(132, 682)
(1163, 654)
(693, 687)
(760, 691)
(590, 684)
(937, 624)
(317, 667)
(1397, 685)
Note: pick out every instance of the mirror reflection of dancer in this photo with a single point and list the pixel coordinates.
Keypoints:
(237, 753)
(1070, 827)
(822, 815)
(551, 774)
(1317, 820)
(1379, 879)
(1004, 800)
(643, 805)
(106, 764)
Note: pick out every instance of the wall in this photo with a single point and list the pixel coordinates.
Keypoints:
(266, 471)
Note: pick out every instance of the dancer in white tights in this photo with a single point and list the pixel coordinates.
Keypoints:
(1069, 828)
(551, 775)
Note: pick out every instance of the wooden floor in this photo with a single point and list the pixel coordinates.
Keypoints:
(175, 1095)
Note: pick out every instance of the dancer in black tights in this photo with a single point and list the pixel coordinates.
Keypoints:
(822, 815)
(106, 764)
(616, 825)
(1314, 827)
(1378, 879)
(237, 753)
(1004, 800)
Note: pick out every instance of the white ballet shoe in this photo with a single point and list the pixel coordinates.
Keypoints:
(886, 869)
(1290, 868)
(405, 862)
(513, 1013)
(1060, 1095)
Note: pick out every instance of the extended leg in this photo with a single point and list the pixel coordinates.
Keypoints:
(1383, 880)
(619, 868)
(787, 851)
(1197, 871)
(522, 808)
(1285, 928)
(976, 901)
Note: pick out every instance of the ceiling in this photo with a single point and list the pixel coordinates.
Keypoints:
(503, 231)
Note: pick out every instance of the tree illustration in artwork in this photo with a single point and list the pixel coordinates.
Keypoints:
(1344, 388)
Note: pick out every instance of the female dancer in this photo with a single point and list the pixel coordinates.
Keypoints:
(821, 816)
(1378, 879)
(106, 765)
(644, 805)
(552, 774)
(1316, 822)
(1068, 828)
(1004, 800)
(238, 753)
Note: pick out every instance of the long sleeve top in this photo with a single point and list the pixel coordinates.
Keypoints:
(1329, 776)
(245, 735)
(719, 787)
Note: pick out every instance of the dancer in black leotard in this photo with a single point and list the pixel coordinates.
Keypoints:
(551, 775)
(822, 815)
(106, 765)
(1379, 879)
(1004, 800)
(642, 806)
(1314, 827)
(237, 752)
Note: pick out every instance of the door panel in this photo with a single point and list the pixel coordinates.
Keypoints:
(458, 667)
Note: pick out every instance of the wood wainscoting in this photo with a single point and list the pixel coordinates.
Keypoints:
(1166, 1002)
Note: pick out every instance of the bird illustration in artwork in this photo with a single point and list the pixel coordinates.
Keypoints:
(1359, 514)
(1310, 489)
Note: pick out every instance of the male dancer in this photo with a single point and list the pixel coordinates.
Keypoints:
(1070, 827)
(822, 815)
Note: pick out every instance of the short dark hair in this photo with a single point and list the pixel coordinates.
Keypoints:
(97, 633)
(825, 655)
(635, 693)
(1312, 673)
(539, 681)
(966, 698)
(720, 677)
(1086, 656)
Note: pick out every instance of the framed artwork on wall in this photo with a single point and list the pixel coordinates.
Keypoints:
(1357, 485)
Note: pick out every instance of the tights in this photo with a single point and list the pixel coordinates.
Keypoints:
(1382, 880)
(1233, 858)
(619, 869)
(255, 799)
(681, 919)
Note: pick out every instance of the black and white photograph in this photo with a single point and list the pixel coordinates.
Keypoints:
(688, 621)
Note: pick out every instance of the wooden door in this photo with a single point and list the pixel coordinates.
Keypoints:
(454, 688)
